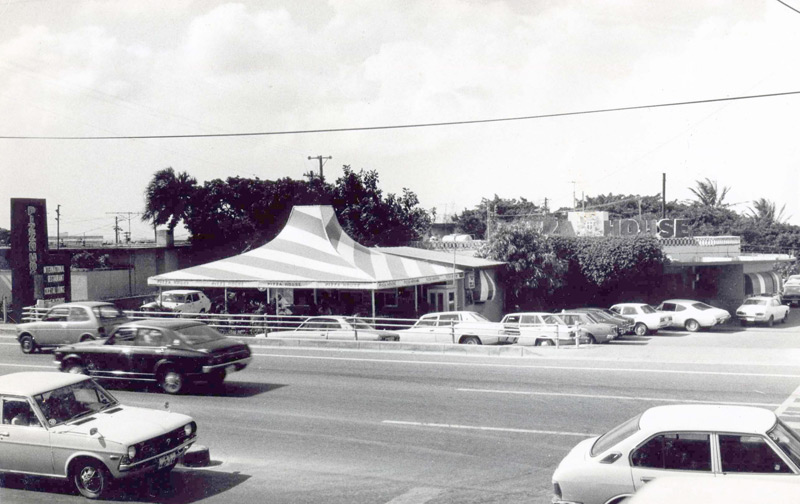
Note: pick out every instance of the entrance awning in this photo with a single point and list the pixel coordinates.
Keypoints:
(762, 283)
(486, 287)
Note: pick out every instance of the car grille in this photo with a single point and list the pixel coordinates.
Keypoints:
(230, 355)
(161, 444)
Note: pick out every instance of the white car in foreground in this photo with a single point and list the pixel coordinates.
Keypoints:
(646, 319)
(767, 309)
(693, 315)
(464, 327)
(694, 441)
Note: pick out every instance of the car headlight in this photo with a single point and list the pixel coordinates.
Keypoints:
(188, 429)
(131, 452)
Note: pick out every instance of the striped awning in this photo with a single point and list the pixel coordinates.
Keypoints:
(311, 251)
(486, 287)
(762, 283)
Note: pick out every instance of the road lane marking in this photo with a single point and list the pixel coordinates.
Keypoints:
(532, 367)
(789, 410)
(622, 398)
(483, 428)
(419, 495)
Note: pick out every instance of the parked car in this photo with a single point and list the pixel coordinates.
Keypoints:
(181, 301)
(337, 328)
(724, 490)
(624, 324)
(171, 352)
(465, 327)
(698, 441)
(646, 319)
(70, 323)
(767, 309)
(693, 315)
(539, 329)
(592, 327)
(69, 427)
(791, 293)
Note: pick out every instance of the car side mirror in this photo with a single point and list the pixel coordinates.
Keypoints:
(94, 432)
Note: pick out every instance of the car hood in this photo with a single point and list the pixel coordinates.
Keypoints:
(576, 456)
(126, 425)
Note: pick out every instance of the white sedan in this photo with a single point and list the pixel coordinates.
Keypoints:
(692, 315)
(645, 318)
(766, 309)
(696, 441)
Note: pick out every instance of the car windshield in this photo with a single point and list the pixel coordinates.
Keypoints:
(755, 301)
(475, 317)
(615, 435)
(362, 324)
(701, 306)
(199, 334)
(74, 401)
(107, 312)
(787, 440)
(647, 309)
(173, 298)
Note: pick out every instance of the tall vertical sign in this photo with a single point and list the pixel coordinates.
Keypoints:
(28, 249)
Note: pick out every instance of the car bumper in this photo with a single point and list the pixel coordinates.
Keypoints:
(165, 460)
(236, 365)
(752, 318)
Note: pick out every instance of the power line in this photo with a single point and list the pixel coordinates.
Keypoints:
(406, 126)
(787, 5)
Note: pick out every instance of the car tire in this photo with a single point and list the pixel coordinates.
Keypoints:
(771, 321)
(26, 344)
(90, 478)
(74, 367)
(470, 340)
(692, 325)
(592, 339)
(86, 337)
(640, 329)
(171, 381)
(544, 342)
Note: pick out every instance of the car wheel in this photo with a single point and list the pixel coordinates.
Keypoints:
(692, 325)
(91, 478)
(171, 381)
(27, 344)
(470, 340)
(640, 329)
(592, 339)
(544, 342)
(86, 337)
(216, 378)
(771, 321)
(75, 367)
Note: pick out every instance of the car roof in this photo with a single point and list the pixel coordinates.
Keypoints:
(707, 417)
(168, 323)
(87, 304)
(181, 291)
(531, 313)
(682, 301)
(447, 313)
(632, 304)
(29, 383)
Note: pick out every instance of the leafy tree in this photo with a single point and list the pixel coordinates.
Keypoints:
(5, 237)
(500, 211)
(764, 210)
(621, 206)
(708, 194)
(167, 197)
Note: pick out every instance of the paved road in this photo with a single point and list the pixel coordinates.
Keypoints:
(309, 426)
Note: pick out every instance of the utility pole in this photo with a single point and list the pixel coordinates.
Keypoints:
(321, 163)
(128, 218)
(663, 195)
(117, 229)
(574, 201)
(58, 227)
(545, 206)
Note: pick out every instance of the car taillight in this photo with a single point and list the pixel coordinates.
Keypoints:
(556, 490)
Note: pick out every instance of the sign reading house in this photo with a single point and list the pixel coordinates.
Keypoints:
(598, 224)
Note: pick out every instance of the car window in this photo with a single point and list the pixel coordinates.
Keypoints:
(149, 338)
(667, 307)
(107, 312)
(445, 320)
(629, 310)
(701, 306)
(474, 317)
(359, 323)
(511, 319)
(749, 454)
(199, 334)
(17, 411)
(679, 308)
(550, 319)
(426, 322)
(531, 320)
(73, 401)
(775, 302)
(754, 302)
(647, 309)
(787, 440)
(615, 435)
(57, 314)
(681, 451)
(615, 309)
(123, 336)
(78, 314)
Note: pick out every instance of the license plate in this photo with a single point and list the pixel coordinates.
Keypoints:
(167, 460)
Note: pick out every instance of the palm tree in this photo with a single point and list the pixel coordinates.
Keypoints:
(708, 193)
(167, 197)
(765, 211)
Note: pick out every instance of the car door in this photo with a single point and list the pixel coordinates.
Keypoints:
(423, 331)
(445, 328)
(686, 454)
(50, 330)
(24, 441)
(677, 318)
(112, 359)
(336, 330)
(78, 323)
(531, 328)
(149, 348)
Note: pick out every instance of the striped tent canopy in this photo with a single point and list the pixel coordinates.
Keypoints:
(313, 252)
(762, 283)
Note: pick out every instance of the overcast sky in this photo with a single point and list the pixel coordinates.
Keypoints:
(128, 68)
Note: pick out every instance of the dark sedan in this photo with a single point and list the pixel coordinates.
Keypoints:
(624, 325)
(171, 352)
